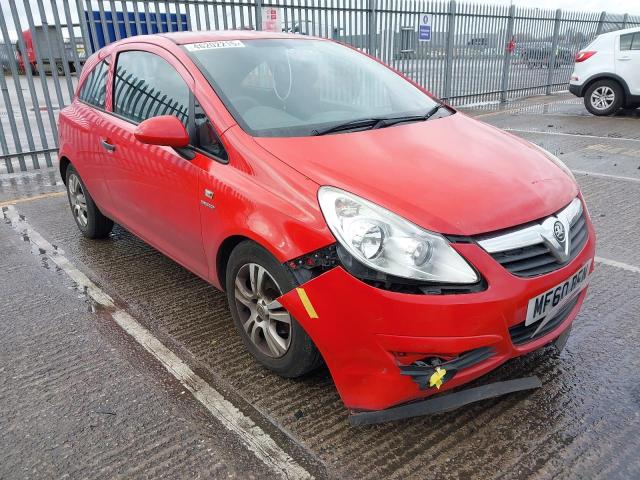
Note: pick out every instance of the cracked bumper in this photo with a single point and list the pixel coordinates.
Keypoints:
(366, 334)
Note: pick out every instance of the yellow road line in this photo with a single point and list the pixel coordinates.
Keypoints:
(31, 199)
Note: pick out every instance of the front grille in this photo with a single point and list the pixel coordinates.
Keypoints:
(537, 259)
(521, 334)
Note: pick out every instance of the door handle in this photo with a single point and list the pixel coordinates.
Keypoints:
(108, 146)
(624, 58)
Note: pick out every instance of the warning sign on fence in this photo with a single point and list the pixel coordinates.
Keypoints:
(424, 32)
(271, 19)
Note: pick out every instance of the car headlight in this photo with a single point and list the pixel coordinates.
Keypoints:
(388, 243)
(559, 163)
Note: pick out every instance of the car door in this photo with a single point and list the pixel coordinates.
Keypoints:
(628, 60)
(154, 189)
(89, 119)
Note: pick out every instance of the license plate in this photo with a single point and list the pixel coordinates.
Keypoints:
(554, 298)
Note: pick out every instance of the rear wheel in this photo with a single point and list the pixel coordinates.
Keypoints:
(254, 281)
(91, 222)
(604, 97)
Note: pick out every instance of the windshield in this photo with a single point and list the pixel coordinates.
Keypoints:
(298, 87)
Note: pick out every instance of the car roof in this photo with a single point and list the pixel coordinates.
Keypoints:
(615, 33)
(182, 38)
(185, 38)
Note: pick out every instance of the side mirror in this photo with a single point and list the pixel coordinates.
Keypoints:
(164, 130)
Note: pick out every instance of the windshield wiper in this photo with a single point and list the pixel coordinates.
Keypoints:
(374, 123)
(387, 122)
(363, 123)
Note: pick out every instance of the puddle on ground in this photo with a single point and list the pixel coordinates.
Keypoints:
(46, 252)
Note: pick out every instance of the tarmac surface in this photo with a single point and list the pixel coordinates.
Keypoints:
(82, 398)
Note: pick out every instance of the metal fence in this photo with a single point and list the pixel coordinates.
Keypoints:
(476, 53)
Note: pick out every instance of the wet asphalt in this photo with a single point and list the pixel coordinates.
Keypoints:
(79, 398)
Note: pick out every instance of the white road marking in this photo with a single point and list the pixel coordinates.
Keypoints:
(562, 134)
(615, 263)
(523, 108)
(606, 175)
(251, 435)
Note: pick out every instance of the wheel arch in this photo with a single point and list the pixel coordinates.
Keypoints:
(607, 76)
(284, 230)
(223, 254)
(226, 247)
(63, 164)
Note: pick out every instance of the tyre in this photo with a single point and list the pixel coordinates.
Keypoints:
(604, 97)
(254, 279)
(91, 222)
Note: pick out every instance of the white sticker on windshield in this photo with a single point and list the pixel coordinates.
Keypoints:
(194, 47)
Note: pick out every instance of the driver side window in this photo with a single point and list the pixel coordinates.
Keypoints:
(146, 85)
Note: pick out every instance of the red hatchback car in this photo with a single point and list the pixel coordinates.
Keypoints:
(350, 216)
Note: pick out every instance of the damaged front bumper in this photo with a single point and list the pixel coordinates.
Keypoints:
(383, 347)
(445, 403)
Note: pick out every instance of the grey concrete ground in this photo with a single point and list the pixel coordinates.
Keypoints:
(79, 400)
(78, 397)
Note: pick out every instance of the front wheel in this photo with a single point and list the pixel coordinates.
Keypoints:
(604, 97)
(254, 281)
(89, 219)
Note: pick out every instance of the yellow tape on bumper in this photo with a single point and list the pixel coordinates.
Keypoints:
(436, 378)
(307, 303)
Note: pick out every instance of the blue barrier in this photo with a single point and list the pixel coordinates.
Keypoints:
(158, 23)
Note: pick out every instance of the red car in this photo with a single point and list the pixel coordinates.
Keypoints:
(350, 216)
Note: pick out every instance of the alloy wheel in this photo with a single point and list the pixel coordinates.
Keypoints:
(603, 98)
(78, 200)
(266, 322)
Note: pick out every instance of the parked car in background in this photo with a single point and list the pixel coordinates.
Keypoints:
(607, 72)
(7, 57)
(541, 54)
(337, 203)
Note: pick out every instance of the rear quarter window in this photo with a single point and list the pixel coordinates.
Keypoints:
(94, 88)
(626, 41)
(630, 41)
